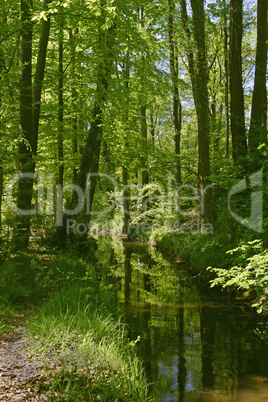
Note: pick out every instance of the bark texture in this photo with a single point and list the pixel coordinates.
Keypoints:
(174, 70)
(236, 84)
(258, 129)
(197, 63)
(30, 102)
(91, 152)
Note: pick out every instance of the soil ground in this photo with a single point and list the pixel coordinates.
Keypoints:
(17, 373)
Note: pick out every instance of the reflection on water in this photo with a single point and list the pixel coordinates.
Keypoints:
(195, 347)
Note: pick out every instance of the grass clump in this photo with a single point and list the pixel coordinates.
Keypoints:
(81, 343)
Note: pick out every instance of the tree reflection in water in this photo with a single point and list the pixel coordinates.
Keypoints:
(194, 344)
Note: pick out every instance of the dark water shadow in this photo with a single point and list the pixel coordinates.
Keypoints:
(195, 345)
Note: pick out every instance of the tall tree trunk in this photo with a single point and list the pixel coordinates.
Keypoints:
(213, 115)
(257, 131)
(94, 132)
(143, 109)
(39, 76)
(25, 185)
(174, 70)
(91, 152)
(74, 110)
(2, 69)
(226, 81)
(236, 86)
(145, 175)
(61, 230)
(202, 109)
(60, 106)
(126, 192)
(30, 102)
(199, 79)
(95, 170)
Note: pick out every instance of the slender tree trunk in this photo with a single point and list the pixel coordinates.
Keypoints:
(39, 76)
(145, 175)
(61, 230)
(177, 121)
(61, 107)
(126, 196)
(152, 127)
(2, 69)
(25, 63)
(26, 163)
(174, 70)
(91, 152)
(30, 101)
(226, 81)
(74, 111)
(236, 85)
(213, 115)
(199, 79)
(126, 192)
(74, 149)
(258, 131)
(95, 170)
(74, 152)
(143, 120)
(202, 109)
(218, 129)
(94, 132)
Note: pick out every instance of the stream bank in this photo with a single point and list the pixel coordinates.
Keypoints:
(195, 343)
(240, 272)
(71, 345)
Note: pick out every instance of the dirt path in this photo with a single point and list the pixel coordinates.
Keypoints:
(16, 372)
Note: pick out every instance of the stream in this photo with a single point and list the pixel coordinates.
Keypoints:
(195, 344)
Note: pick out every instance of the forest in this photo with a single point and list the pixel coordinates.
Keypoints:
(127, 130)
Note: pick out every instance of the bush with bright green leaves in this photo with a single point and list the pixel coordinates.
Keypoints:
(250, 275)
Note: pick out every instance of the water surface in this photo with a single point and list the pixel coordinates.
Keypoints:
(195, 344)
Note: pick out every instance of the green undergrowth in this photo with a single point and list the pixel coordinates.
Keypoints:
(231, 260)
(81, 343)
(72, 327)
(199, 250)
(202, 249)
(249, 275)
(19, 288)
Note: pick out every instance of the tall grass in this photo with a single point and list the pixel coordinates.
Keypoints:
(81, 343)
